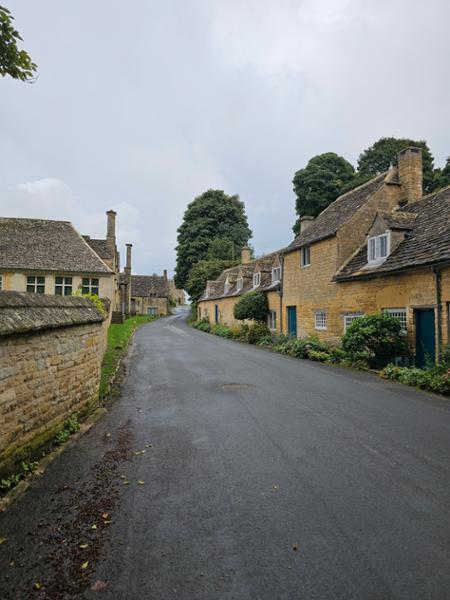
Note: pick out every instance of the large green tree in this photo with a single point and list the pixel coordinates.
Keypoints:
(442, 176)
(210, 217)
(383, 153)
(201, 272)
(13, 62)
(320, 183)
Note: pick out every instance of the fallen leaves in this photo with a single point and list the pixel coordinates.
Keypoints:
(141, 482)
(85, 564)
(94, 526)
(98, 585)
(83, 546)
(105, 515)
(3, 540)
(138, 452)
(125, 482)
(295, 547)
(38, 585)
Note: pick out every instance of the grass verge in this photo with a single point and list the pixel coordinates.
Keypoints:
(119, 335)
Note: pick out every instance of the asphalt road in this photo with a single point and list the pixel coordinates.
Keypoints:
(261, 477)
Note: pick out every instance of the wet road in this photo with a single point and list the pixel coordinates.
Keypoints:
(226, 472)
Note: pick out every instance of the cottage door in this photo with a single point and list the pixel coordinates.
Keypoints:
(292, 321)
(425, 337)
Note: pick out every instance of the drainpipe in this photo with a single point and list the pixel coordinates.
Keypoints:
(281, 294)
(437, 286)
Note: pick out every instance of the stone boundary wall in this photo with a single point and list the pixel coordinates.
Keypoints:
(51, 349)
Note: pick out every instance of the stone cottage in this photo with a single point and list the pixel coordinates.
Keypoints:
(150, 295)
(50, 257)
(380, 247)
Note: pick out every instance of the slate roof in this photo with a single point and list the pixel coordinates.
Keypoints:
(337, 213)
(100, 247)
(41, 245)
(144, 286)
(262, 264)
(21, 312)
(398, 219)
(427, 242)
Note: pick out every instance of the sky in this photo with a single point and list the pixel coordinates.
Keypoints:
(142, 106)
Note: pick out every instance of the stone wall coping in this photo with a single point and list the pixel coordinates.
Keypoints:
(21, 312)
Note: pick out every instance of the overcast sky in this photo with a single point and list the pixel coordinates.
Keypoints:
(142, 105)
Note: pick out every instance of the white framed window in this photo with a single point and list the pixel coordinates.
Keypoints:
(205, 313)
(36, 284)
(152, 311)
(305, 256)
(320, 320)
(1, 282)
(378, 248)
(276, 274)
(256, 279)
(349, 318)
(272, 320)
(239, 283)
(90, 285)
(400, 314)
(63, 286)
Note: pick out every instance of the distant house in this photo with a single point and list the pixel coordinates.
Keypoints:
(177, 295)
(150, 295)
(50, 257)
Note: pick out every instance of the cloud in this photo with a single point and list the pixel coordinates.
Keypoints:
(233, 95)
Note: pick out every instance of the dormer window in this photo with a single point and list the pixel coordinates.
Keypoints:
(256, 279)
(378, 248)
(276, 274)
(239, 284)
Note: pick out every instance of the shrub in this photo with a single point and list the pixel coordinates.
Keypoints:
(436, 379)
(301, 348)
(222, 331)
(252, 306)
(203, 325)
(446, 356)
(336, 355)
(378, 335)
(318, 355)
(257, 332)
(266, 340)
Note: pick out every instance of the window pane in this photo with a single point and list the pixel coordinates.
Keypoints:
(85, 282)
(40, 289)
(94, 281)
(30, 279)
(94, 290)
(372, 249)
(58, 290)
(41, 280)
(383, 246)
(58, 280)
(30, 289)
(68, 290)
(85, 290)
(68, 280)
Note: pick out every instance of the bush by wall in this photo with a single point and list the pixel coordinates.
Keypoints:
(251, 306)
(435, 379)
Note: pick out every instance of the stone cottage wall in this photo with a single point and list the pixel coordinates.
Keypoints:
(51, 349)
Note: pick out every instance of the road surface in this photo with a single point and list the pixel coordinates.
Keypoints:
(224, 471)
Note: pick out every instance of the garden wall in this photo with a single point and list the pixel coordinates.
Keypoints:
(51, 349)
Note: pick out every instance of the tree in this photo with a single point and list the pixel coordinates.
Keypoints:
(203, 271)
(212, 216)
(320, 183)
(383, 153)
(252, 306)
(442, 176)
(13, 62)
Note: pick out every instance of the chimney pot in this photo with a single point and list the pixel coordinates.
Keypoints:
(128, 262)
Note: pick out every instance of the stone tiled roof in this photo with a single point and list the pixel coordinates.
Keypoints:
(338, 213)
(262, 264)
(398, 219)
(40, 245)
(427, 242)
(21, 312)
(100, 247)
(143, 286)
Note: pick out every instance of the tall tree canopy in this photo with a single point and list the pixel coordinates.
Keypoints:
(320, 183)
(202, 272)
(13, 62)
(210, 217)
(383, 153)
(442, 176)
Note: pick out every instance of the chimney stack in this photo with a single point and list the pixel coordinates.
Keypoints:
(245, 255)
(111, 226)
(410, 174)
(165, 274)
(128, 263)
(305, 222)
